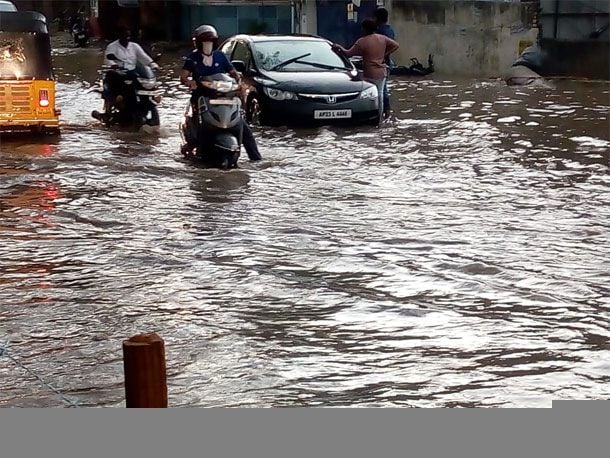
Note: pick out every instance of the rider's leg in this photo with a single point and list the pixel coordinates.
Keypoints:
(250, 143)
(130, 91)
(386, 100)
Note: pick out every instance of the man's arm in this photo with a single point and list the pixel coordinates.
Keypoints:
(228, 67)
(109, 50)
(185, 75)
(390, 46)
(142, 57)
(355, 50)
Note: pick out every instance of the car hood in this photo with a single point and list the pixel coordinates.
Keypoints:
(331, 82)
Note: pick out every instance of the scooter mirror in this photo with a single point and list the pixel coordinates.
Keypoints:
(111, 57)
(239, 65)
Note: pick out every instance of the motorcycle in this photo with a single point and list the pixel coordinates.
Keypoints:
(130, 97)
(214, 124)
(80, 32)
(415, 69)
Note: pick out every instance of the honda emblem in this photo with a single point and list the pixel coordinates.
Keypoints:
(331, 99)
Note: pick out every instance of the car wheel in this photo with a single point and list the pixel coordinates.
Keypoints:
(255, 113)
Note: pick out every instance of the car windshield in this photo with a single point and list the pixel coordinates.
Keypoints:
(296, 55)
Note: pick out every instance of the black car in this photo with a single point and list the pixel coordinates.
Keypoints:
(300, 79)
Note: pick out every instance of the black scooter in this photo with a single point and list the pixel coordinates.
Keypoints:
(80, 32)
(212, 130)
(129, 100)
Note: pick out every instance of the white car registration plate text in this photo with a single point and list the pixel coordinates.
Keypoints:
(332, 114)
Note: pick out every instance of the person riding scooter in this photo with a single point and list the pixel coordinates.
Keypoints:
(203, 62)
(129, 86)
(130, 57)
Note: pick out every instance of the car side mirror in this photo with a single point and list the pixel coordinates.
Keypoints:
(239, 66)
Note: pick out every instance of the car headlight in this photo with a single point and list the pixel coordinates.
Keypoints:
(370, 93)
(276, 94)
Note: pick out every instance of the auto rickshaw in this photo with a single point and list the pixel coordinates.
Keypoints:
(27, 82)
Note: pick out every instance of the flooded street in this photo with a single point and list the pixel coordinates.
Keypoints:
(456, 257)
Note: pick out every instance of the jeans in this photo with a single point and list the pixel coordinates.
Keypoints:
(386, 92)
(250, 143)
(380, 83)
(386, 97)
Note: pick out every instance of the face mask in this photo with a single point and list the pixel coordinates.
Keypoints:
(207, 47)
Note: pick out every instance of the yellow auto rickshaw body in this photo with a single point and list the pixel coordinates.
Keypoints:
(27, 83)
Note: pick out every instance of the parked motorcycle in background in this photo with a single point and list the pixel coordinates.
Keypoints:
(130, 97)
(215, 125)
(80, 31)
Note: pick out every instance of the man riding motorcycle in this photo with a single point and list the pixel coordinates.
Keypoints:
(131, 57)
(202, 62)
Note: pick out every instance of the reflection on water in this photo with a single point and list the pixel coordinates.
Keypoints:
(453, 258)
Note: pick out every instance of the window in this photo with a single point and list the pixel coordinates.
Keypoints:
(227, 48)
(242, 52)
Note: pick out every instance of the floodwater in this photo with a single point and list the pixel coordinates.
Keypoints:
(456, 257)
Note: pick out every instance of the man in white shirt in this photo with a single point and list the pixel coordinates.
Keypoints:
(129, 54)
(131, 57)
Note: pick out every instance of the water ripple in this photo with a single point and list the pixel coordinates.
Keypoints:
(453, 258)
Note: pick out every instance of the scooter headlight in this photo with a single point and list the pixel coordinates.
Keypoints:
(277, 94)
(369, 93)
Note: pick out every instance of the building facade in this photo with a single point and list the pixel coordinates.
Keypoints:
(466, 37)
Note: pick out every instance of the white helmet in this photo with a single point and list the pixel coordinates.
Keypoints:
(204, 33)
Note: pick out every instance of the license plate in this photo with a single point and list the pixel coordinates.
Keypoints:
(332, 114)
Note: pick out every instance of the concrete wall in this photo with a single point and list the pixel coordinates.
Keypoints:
(308, 17)
(467, 37)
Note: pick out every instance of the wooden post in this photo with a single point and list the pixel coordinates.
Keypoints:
(145, 376)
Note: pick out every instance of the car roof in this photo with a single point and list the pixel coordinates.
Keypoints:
(276, 37)
(5, 5)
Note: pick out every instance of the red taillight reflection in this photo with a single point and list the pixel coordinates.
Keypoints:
(43, 98)
(52, 193)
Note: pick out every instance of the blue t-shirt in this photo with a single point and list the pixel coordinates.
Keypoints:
(194, 64)
(387, 30)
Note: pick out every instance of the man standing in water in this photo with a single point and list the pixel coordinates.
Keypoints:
(374, 49)
(383, 28)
